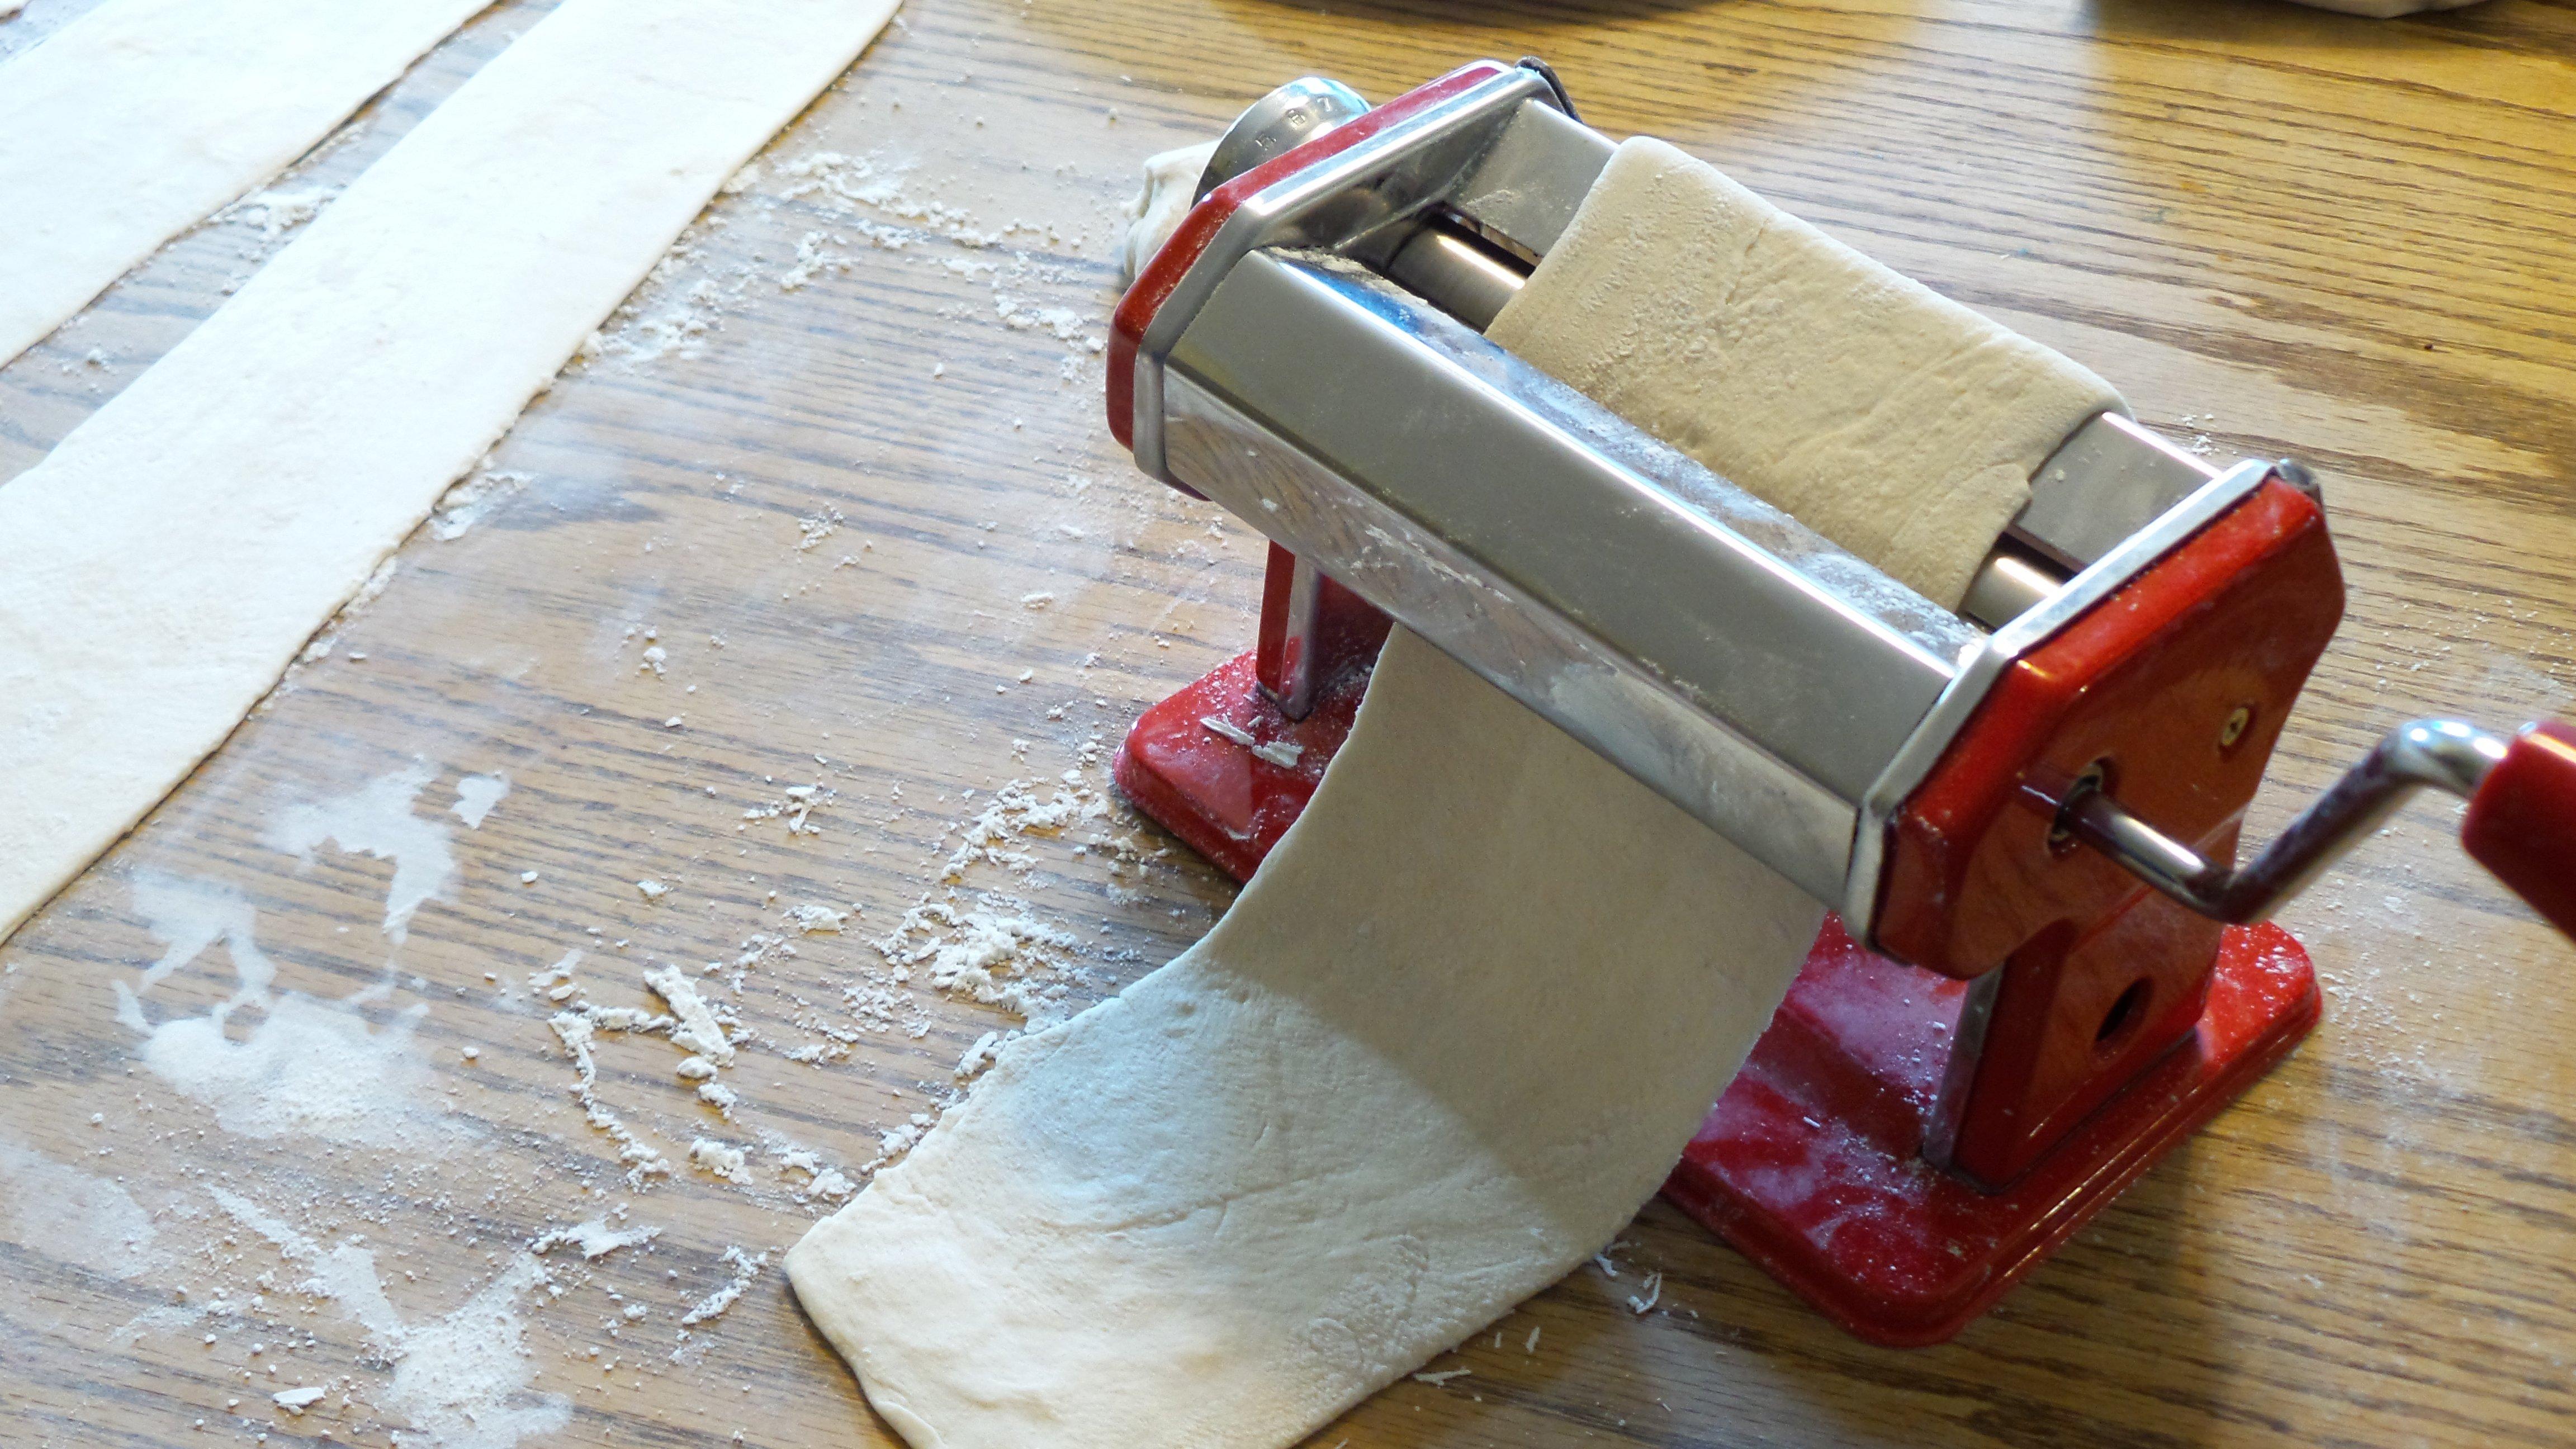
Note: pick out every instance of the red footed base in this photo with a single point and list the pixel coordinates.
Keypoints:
(1225, 799)
(1812, 1163)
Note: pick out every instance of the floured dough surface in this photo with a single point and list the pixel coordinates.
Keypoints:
(160, 568)
(1891, 420)
(1445, 1043)
(133, 122)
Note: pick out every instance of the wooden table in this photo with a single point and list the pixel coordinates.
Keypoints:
(2284, 232)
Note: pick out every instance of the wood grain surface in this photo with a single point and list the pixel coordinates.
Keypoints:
(864, 504)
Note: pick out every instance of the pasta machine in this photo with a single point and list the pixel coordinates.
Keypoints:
(2046, 967)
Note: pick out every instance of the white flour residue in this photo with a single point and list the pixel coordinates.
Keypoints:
(472, 497)
(577, 1030)
(187, 916)
(856, 191)
(815, 920)
(1001, 957)
(460, 1380)
(377, 820)
(276, 211)
(327, 638)
(993, 949)
(698, 1029)
(309, 1067)
(67, 1214)
(595, 1238)
(475, 797)
(859, 203)
(745, 1269)
(720, 1159)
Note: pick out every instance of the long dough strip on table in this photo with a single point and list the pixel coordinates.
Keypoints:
(1464, 1019)
(163, 565)
(137, 120)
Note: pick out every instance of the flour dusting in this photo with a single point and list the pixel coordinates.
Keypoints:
(308, 1067)
(461, 1379)
(377, 820)
(63, 1212)
(595, 1239)
(475, 797)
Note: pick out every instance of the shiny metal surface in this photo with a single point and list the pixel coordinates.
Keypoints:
(1462, 275)
(2010, 584)
(1707, 643)
(1376, 187)
(1774, 686)
(2444, 754)
(2110, 478)
(1524, 190)
(1304, 640)
(1279, 122)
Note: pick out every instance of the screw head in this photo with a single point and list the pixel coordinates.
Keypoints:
(2237, 724)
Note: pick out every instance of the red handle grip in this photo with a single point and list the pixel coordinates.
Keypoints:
(2522, 822)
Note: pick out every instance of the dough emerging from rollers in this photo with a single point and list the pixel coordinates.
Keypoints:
(1466, 1017)
(1445, 1043)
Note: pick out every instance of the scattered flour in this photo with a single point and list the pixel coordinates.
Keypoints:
(577, 1030)
(475, 797)
(595, 1238)
(460, 1380)
(698, 1030)
(327, 638)
(799, 802)
(310, 1066)
(276, 212)
(377, 820)
(815, 920)
(70, 1215)
(1008, 959)
(745, 1269)
(471, 499)
(720, 1159)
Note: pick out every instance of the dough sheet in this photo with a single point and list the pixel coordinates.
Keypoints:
(135, 121)
(163, 565)
(1445, 1043)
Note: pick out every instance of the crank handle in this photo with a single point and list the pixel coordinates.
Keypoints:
(2521, 822)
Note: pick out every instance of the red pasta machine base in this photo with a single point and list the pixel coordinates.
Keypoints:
(1811, 1163)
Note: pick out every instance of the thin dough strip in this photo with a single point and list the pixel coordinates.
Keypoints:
(135, 121)
(160, 568)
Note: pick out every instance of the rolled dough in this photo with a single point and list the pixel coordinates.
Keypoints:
(1888, 418)
(161, 567)
(132, 123)
(1479, 997)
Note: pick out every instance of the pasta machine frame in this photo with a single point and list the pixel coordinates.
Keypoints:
(2045, 970)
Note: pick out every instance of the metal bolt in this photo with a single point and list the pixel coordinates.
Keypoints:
(2096, 776)
(2234, 730)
